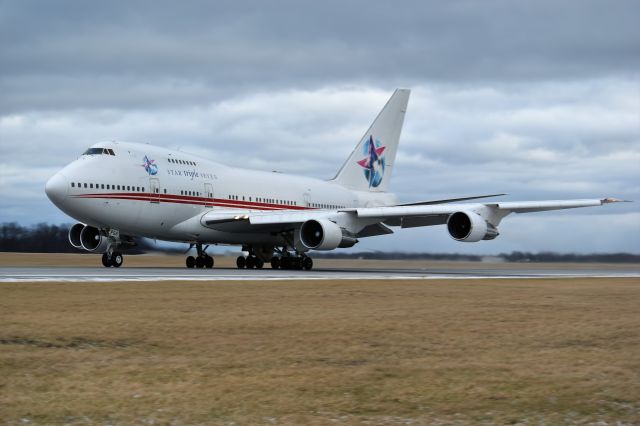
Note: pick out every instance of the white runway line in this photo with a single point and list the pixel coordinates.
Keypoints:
(85, 274)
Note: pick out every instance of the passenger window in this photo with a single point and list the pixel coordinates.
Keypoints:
(102, 186)
(73, 184)
(118, 187)
(90, 185)
(143, 189)
(165, 190)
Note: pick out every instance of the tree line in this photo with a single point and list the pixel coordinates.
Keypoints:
(47, 238)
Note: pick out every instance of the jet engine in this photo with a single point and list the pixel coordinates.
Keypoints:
(74, 235)
(470, 227)
(92, 239)
(323, 234)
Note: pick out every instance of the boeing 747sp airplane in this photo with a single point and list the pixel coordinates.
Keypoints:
(118, 191)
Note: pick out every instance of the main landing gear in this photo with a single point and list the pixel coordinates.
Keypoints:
(202, 260)
(249, 262)
(114, 259)
(288, 261)
(282, 259)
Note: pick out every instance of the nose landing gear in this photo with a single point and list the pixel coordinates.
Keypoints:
(114, 259)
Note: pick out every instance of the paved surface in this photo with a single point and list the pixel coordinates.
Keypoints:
(11, 274)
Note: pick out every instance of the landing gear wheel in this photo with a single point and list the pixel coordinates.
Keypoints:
(106, 262)
(285, 262)
(116, 259)
(259, 263)
(241, 262)
(251, 262)
(191, 262)
(199, 262)
(208, 262)
(275, 262)
(307, 263)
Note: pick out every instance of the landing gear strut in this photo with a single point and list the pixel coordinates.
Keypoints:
(202, 260)
(114, 259)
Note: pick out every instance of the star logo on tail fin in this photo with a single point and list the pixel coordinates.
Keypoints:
(374, 162)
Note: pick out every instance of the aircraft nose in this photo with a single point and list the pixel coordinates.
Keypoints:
(56, 188)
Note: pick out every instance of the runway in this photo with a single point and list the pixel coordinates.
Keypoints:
(154, 274)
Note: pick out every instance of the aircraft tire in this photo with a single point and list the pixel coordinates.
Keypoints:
(117, 259)
(259, 263)
(191, 262)
(285, 262)
(251, 262)
(241, 262)
(275, 262)
(307, 263)
(199, 262)
(208, 262)
(106, 262)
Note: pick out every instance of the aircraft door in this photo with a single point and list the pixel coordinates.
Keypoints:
(208, 194)
(306, 196)
(154, 190)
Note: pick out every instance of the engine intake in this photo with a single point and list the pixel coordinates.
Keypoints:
(324, 235)
(74, 235)
(92, 239)
(470, 227)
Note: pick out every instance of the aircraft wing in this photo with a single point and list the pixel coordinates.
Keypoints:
(428, 215)
(406, 216)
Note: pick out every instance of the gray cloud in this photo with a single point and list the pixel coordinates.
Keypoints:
(203, 51)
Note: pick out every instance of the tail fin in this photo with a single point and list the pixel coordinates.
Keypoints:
(369, 166)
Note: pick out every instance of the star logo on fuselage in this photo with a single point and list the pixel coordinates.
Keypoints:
(373, 163)
(149, 165)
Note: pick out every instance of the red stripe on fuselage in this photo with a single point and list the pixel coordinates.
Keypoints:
(186, 199)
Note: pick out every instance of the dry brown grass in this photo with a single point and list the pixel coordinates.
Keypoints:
(321, 352)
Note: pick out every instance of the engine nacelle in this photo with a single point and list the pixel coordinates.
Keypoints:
(92, 239)
(324, 235)
(74, 235)
(470, 227)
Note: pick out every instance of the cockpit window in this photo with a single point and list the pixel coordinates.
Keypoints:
(99, 151)
(93, 151)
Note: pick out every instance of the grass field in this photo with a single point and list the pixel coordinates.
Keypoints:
(321, 352)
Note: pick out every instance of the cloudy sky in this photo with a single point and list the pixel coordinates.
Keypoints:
(538, 99)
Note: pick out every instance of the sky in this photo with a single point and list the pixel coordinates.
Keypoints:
(536, 99)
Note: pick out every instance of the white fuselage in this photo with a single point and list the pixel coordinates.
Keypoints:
(144, 190)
